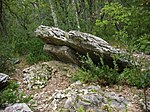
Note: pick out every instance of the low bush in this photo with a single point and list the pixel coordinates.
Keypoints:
(6, 65)
(143, 44)
(97, 73)
(136, 77)
(11, 94)
(81, 109)
(32, 49)
(133, 76)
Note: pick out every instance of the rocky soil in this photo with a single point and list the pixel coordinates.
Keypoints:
(52, 91)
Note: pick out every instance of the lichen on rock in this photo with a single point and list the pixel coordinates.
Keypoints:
(37, 76)
(90, 96)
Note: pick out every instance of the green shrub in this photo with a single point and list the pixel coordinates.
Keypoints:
(32, 49)
(97, 73)
(81, 75)
(143, 44)
(11, 94)
(136, 77)
(81, 109)
(6, 65)
(133, 76)
(126, 25)
(34, 58)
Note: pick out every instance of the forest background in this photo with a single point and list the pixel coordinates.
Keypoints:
(123, 23)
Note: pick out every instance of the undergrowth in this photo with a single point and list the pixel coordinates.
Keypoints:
(10, 95)
(142, 44)
(133, 76)
(137, 75)
(94, 73)
(12, 50)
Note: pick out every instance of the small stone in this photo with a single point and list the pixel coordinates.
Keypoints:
(58, 95)
(37, 75)
(94, 99)
(92, 87)
(144, 106)
(84, 103)
(76, 95)
(70, 102)
(18, 107)
(3, 80)
(76, 83)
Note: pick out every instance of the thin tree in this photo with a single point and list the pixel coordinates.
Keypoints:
(76, 14)
(84, 16)
(1, 13)
(53, 13)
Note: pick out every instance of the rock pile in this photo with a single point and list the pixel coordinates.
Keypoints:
(87, 97)
(37, 76)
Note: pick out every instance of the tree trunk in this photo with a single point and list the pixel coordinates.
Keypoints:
(76, 14)
(53, 13)
(84, 13)
(1, 13)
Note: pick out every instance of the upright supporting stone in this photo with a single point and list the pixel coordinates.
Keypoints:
(62, 53)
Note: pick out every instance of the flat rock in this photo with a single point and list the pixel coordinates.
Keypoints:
(3, 80)
(18, 107)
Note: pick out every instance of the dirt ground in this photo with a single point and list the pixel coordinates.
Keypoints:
(60, 80)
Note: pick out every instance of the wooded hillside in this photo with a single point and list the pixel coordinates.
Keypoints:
(100, 26)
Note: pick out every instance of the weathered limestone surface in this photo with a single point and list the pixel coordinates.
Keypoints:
(37, 76)
(62, 53)
(3, 80)
(90, 98)
(66, 45)
(18, 107)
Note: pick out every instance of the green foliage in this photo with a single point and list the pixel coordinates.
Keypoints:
(6, 66)
(32, 48)
(115, 19)
(81, 75)
(81, 109)
(11, 94)
(104, 74)
(143, 44)
(23, 19)
(125, 24)
(136, 77)
(97, 73)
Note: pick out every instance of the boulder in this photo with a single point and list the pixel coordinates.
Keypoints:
(18, 107)
(75, 43)
(62, 53)
(3, 80)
